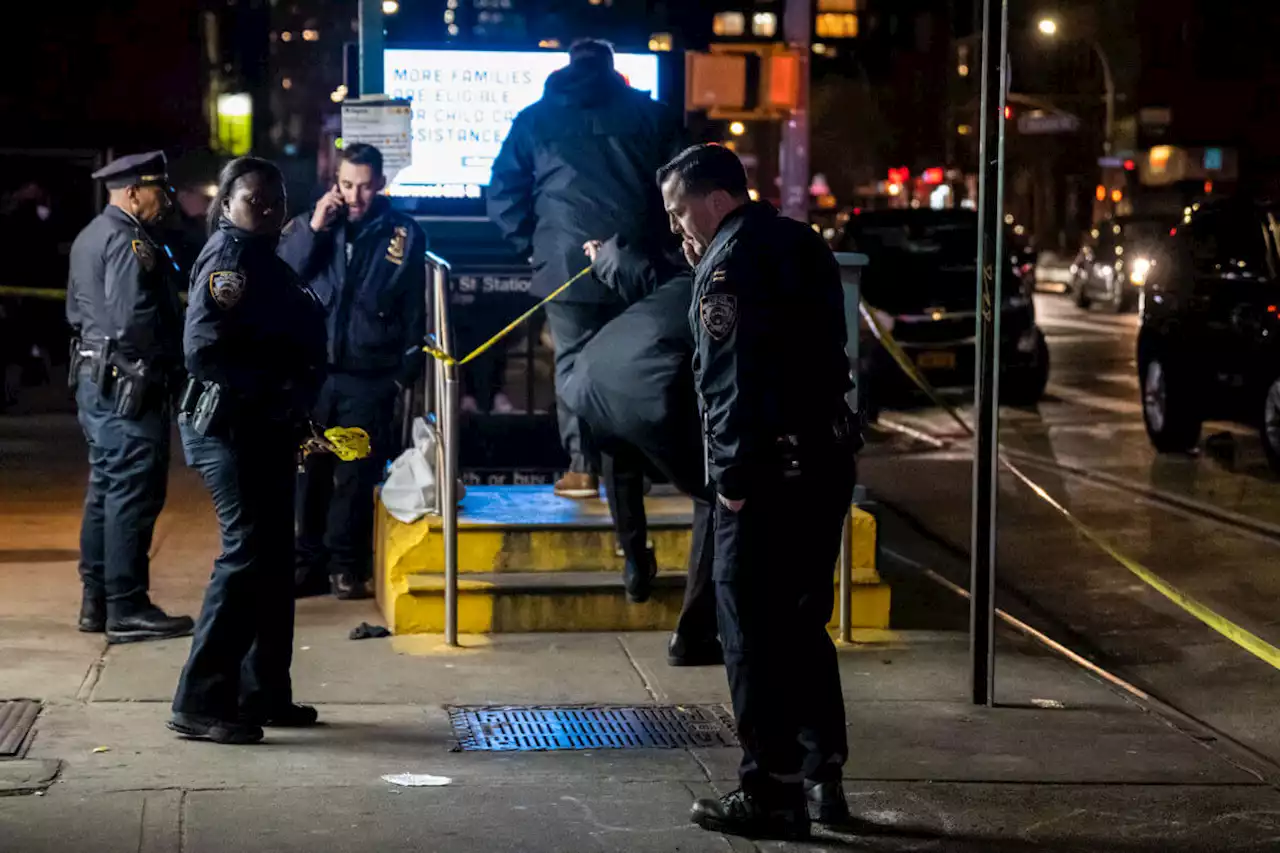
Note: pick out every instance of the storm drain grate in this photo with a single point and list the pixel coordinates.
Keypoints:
(17, 717)
(539, 728)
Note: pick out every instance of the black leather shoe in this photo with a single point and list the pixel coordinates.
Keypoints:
(639, 579)
(741, 814)
(93, 613)
(347, 588)
(695, 652)
(219, 731)
(288, 717)
(827, 803)
(151, 623)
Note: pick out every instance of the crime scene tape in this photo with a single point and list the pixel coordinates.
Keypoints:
(1250, 642)
(346, 443)
(54, 293)
(442, 356)
(34, 292)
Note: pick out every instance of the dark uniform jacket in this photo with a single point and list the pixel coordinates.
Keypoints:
(580, 165)
(121, 286)
(768, 320)
(253, 327)
(373, 289)
(633, 379)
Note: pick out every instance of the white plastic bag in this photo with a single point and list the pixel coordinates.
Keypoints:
(410, 490)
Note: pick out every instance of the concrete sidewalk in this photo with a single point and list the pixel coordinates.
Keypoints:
(1065, 763)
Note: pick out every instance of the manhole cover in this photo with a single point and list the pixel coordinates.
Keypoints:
(530, 728)
(16, 719)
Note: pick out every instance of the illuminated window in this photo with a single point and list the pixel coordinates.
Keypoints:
(837, 26)
(764, 24)
(660, 42)
(839, 5)
(729, 24)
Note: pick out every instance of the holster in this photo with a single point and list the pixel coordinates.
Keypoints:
(102, 375)
(201, 406)
(76, 358)
(133, 382)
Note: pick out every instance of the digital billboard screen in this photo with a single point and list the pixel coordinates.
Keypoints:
(463, 104)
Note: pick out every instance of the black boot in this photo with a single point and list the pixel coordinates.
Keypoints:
(703, 652)
(309, 581)
(347, 587)
(139, 624)
(742, 814)
(638, 579)
(210, 728)
(93, 612)
(827, 803)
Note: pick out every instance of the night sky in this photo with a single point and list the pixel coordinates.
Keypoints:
(122, 73)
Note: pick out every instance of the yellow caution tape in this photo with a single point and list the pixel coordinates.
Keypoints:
(54, 293)
(1248, 641)
(444, 357)
(348, 443)
(34, 292)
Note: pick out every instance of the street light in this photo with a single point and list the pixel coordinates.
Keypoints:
(1049, 29)
(737, 128)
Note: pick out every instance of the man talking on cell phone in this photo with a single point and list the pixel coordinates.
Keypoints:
(366, 263)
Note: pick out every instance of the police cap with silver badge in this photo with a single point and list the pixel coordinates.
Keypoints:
(148, 169)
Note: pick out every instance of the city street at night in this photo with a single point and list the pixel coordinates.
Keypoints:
(640, 426)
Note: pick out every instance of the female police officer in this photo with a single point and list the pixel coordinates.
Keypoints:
(255, 348)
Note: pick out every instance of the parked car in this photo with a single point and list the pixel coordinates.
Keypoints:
(1209, 341)
(1113, 265)
(922, 279)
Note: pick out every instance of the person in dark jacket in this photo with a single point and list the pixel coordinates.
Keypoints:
(771, 371)
(633, 386)
(576, 165)
(255, 349)
(123, 306)
(367, 264)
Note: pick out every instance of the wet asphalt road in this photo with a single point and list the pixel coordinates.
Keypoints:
(1207, 522)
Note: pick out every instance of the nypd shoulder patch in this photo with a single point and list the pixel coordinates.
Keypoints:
(145, 254)
(719, 314)
(226, 287)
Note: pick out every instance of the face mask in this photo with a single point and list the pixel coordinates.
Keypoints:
(42, 211)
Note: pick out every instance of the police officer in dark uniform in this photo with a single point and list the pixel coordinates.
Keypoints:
(255, 349)
(366, 263)
(126, 363)
(772, 374)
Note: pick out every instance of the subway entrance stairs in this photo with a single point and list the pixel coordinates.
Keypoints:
(531, 561)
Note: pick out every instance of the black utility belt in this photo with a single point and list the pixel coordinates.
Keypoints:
(127, 383)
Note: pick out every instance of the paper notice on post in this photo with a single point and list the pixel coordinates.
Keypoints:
(383, 123)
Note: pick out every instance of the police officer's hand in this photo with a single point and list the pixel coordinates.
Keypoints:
(327, 209)
(730, 504)
(591, 249)
(692, 253)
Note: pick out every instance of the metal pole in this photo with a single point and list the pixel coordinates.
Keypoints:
(1109, 85)
(846, 579)
(793, 160)
(991, 269)
(447, 470)
(371, 45)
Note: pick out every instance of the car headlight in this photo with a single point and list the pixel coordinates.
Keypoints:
(1138, 271)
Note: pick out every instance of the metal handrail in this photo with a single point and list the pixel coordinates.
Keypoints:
(443, 407)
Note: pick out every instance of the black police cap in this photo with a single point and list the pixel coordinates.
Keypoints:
(149, 169)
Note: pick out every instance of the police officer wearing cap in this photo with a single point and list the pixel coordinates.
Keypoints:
(367, 264)
(771, 372)
(255, 347)
(126, 363)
